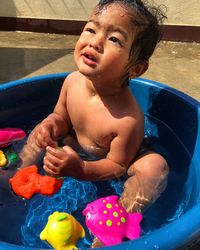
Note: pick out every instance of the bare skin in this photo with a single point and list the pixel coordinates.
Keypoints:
(95, 104)
(113, 129)
(98, 110)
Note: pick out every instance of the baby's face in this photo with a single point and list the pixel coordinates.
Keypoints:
(104, 45)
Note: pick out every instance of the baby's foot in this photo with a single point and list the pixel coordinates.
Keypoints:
(96, 243)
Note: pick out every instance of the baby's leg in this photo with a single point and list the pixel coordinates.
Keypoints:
(30, 153)
(148, 179)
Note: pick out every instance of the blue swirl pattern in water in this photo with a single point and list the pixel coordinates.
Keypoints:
(73, 195)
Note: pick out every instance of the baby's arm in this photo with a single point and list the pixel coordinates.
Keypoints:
(47, 132)
(56, 124)
(123, 149)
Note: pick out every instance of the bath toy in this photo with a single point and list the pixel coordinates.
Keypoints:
(10, 135)
(62, 231)
(3, 160)
(110, 222)
(8, 159)
(12, 158)
(26, 182)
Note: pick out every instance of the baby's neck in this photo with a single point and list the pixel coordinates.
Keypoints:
(103, 89)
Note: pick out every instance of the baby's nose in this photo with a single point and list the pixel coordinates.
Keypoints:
(97, 43)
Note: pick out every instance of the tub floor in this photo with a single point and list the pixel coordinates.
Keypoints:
(25, 54)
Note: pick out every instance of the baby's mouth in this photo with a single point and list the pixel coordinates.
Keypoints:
(90, 57)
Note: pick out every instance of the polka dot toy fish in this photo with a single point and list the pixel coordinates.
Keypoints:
(110, 222)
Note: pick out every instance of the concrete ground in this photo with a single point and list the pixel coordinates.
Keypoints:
(24, 54)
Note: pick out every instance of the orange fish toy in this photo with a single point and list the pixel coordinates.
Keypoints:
(27, 181)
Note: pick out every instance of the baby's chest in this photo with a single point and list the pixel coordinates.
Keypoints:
(96, 125)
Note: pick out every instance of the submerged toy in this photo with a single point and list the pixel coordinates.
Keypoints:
(110, 222)
(62, 231)
(10, 135)
(27, 182)
(8, 159)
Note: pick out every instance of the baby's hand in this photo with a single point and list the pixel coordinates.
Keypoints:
(63, 162)
(45, 134)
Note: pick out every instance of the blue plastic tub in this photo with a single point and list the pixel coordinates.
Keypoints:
(172, 126)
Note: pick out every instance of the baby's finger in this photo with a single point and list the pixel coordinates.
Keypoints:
(54, 133)
(49, 171)
(41, 142)
(56, 152)
(50, 165)
(51, 151)
(44, 131)
(51, 159)
(51, 162)
(68, 150)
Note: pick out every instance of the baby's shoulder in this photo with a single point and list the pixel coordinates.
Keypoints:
(74, 76)
(132, 115)
(72, 79)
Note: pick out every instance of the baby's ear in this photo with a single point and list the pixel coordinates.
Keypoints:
(138, 68)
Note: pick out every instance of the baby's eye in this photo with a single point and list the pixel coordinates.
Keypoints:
(90, 30)
(115, 40)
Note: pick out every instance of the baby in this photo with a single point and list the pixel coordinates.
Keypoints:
(96, 111)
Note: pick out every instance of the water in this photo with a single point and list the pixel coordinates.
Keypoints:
(23, 220)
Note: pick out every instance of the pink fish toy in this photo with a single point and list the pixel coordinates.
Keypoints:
(110, 222)
(10, 135)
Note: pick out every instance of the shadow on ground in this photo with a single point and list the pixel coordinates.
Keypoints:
(23, 61)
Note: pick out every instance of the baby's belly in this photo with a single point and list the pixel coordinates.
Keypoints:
(94, 152)
(86, 151)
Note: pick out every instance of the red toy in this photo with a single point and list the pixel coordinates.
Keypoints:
(10, 135)
(27, 182)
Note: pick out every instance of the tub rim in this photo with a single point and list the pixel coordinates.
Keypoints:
(165, 237)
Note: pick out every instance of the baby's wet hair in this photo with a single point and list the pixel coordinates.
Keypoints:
(147, 20)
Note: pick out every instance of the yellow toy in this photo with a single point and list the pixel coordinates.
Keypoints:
(3, 160)
(62, 231)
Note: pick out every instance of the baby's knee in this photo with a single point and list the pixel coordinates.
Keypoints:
(155, 166)
(148, 179)
(151, 165)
